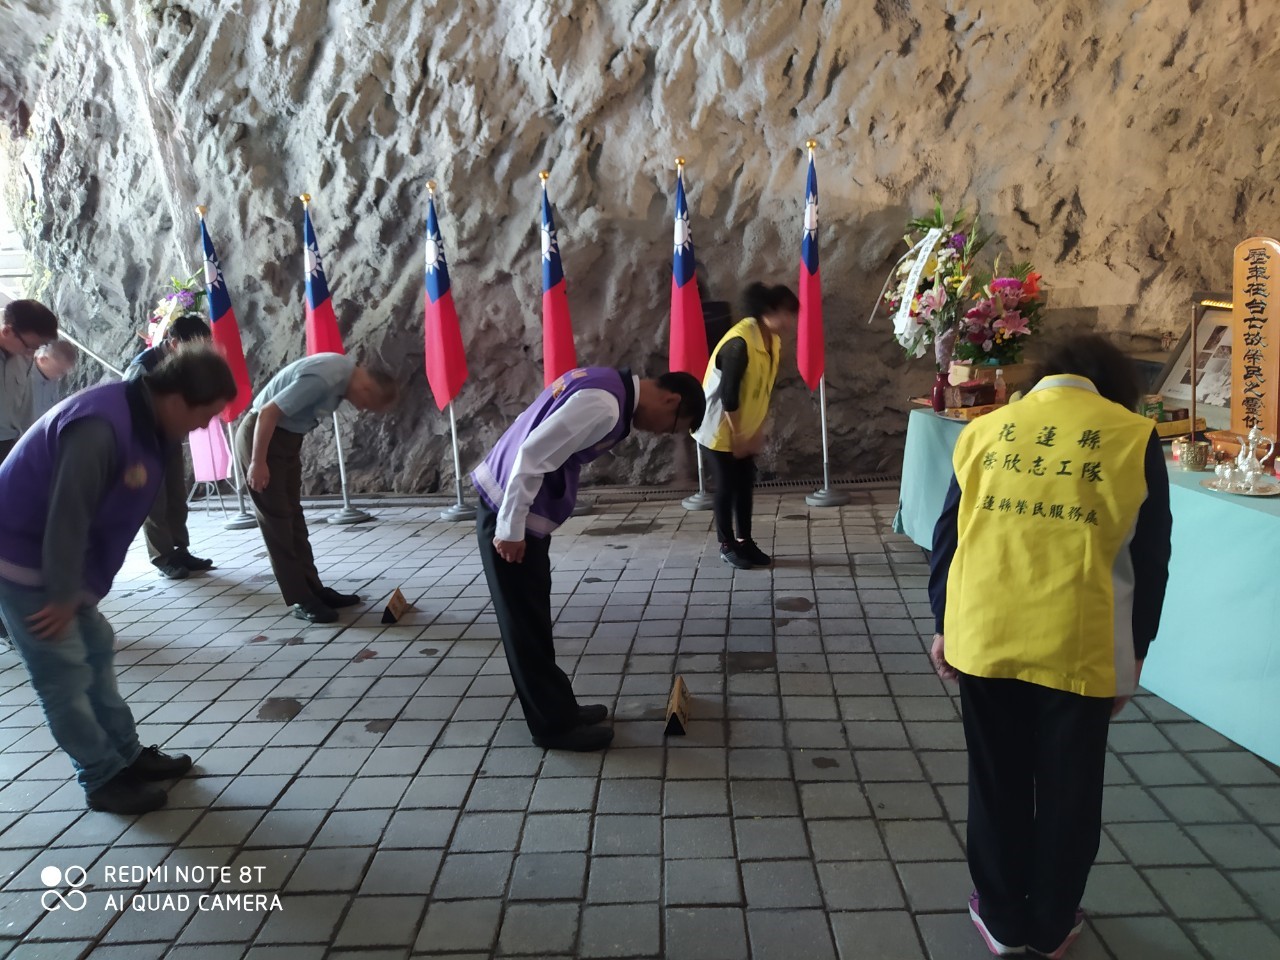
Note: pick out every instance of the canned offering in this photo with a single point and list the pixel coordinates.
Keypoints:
(1151, 406)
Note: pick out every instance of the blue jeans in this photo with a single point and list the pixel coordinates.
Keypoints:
(74, 677)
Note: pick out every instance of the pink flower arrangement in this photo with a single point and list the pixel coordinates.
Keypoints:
(1008, 311)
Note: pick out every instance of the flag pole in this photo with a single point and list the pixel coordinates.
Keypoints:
(700, 500)
(826, 495)
(580, 508)
(244, 520)
(348, 514)
(460, 510)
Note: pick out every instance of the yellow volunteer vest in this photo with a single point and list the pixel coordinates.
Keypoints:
(757, 386)
(1041, 585)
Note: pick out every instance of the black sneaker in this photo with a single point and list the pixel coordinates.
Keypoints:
(335, 599)
(752, 552)
(182, 556)
(579, 739)
(315, 611)
(729, 553)
(171, 569)
(124, 793)
(592, 713)
(154, 765)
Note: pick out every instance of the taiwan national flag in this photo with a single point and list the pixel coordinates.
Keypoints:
(688, 332)
(810, 351)
(226, 332)
(322, 325)
(446, 362)
(558, 355)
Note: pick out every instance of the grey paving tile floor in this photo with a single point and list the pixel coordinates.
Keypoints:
(378, 779)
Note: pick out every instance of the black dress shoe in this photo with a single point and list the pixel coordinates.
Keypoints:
(752, 552)
(183, 557)
(579, 739)
(171, 569)
(335, 599)
(592, 713)
(154, 765)
(124, 793)
(315, 611)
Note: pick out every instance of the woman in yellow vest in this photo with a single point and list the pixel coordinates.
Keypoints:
(1049, 564)
(738, 385)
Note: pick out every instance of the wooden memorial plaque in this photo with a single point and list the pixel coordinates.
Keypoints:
(678, 709)
(396, 607)
(1255, 330)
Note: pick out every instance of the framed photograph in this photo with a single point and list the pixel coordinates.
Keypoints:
(1212, 357)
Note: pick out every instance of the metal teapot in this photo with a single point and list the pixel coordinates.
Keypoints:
(1249, 462)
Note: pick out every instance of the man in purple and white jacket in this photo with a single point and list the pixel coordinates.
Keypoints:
(528, 486)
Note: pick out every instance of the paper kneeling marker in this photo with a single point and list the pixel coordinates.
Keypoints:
(678, 709)
(396, 607)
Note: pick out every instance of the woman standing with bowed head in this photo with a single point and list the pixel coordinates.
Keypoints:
(738, 384)
(1047, 582)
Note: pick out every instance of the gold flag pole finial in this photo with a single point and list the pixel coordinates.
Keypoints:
(811, 144)
(431, 188)
(305, 198)
(679, 162)
(201, 210)
(544, 177)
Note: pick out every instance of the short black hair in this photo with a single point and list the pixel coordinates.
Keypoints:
(759, 299)
(188, 327)
(1099, 361)
(31, 316)
(693, 402)
(197, 371)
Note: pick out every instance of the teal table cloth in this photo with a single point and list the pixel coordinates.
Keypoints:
(1217, 656)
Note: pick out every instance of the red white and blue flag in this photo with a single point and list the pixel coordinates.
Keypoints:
(558, 354)
(322, 324)
(226, 332)
(446, 361)
(688, 331)
(810, 349)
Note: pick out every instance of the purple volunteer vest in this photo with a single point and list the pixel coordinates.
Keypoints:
(555, 500)
(26, 481)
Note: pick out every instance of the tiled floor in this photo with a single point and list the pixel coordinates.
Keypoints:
(377, 780)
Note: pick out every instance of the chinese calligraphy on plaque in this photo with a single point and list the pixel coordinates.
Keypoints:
(1255, 363)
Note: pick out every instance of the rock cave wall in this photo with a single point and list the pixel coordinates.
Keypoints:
(1122, 146)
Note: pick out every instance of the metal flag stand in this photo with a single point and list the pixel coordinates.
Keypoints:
(244, 520)
(826, 495)
(348, 514)
(460, 510)
(700, 500)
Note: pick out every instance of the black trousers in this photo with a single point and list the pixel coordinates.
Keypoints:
(1036, 758)
(522, 601)
(735, 480)
(279, 511)
(165, 528)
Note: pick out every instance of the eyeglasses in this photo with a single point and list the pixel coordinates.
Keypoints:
(28, 348)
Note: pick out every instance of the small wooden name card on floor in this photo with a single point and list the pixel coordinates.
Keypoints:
(396, 607)
(678, 709)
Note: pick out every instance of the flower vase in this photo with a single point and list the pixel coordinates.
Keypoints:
(938, 396)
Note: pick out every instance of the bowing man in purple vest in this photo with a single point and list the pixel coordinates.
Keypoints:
(86, 474)
(528, 485)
